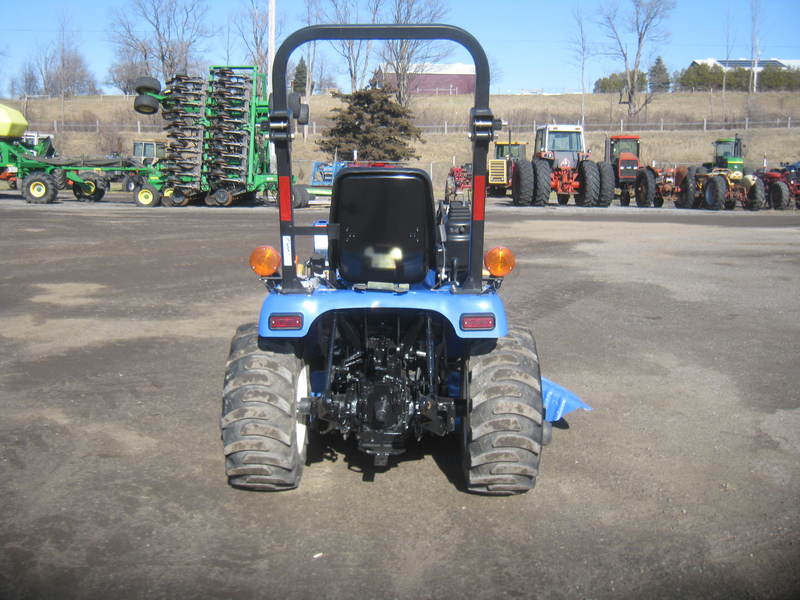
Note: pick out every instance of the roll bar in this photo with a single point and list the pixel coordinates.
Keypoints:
(482, 128)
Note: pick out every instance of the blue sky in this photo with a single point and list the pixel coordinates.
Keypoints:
(529, 40)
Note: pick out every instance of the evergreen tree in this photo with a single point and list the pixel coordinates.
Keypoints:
(616, 83)
(372, 123)
(300, 76)
(658, 77)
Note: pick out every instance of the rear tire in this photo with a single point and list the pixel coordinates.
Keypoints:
(146, 105)
(264, 439)
(147, 196)
(589, 179)
(688, 189)
(39, 188)
(502, 433)
(522, 183)
(779, 195)
(645, 188)
(755, 196)
(714, 193)
(541, 182)
(607, 184)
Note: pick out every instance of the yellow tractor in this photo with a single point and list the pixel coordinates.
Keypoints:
(511, 169)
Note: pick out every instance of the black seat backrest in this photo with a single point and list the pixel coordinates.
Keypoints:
(386, 225)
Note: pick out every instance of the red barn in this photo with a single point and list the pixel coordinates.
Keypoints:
(432, 79)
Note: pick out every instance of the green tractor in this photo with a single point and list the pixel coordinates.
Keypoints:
(728, 154)
(723, 183)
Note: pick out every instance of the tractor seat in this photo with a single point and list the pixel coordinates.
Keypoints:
(386, 225)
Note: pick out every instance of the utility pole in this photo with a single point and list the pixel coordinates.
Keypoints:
(271, 50)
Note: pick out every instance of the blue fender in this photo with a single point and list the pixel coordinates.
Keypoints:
(559, 401)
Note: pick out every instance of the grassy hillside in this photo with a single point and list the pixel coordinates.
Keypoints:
(440, 151)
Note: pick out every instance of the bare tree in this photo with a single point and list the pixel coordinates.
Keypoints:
(26, 83)
(729, 41)
(628, 37)
(253, 25)
(61, 69)
(356, 53)
(582, 51)
(755, 26)
(313, 16)
(126, 69)
(167, 34)
(405, 58)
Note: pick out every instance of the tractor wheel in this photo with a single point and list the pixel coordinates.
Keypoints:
(779, 195)
(607, 184)
(60, 178)
(166, 197)
(450, 189)
(563, 199)
(714, 193)
(522, 183)
(264, 438)
(502, 431)
(625, 196)
(146, 105)
(755, 196)
(130, 183)
(179, 198)
(541, 182)
(589, 179)
(39, 188)
(688, 189)
(96, 191)
(147, 196)
(143, 85)
(221, 197)
(645, 188)
(299, 196)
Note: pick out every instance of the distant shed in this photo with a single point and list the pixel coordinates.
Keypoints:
(432, 79)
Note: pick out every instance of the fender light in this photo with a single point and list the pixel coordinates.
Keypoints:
(478, 322)
(290, 321)
(500, 261)
(265, 261)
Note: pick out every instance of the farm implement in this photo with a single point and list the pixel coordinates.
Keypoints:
(34, 168)
(217, 149)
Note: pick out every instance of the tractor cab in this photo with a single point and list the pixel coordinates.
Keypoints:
(564, 145)
(728, 154)
(623, 152)
(510, 150)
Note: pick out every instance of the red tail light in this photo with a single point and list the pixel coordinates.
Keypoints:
(482, 322)
(293, 321)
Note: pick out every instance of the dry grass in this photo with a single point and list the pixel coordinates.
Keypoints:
(439, 152)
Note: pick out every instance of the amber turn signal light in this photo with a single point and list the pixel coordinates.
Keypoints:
(500, 261)
(265, 261)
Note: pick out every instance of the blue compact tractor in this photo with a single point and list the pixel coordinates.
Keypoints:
(392, 329)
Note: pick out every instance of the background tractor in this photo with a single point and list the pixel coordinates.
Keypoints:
(458, 182)
(722, 183)
(782, 185)
(621, 165)
(561, 164)
(510, 169)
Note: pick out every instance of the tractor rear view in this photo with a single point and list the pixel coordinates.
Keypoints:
(782, 186)
(561, 163)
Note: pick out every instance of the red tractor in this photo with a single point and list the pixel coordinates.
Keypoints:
(783, 186)
(622, 163)
(458, 182)
(561, 164)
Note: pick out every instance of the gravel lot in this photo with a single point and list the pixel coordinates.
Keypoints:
(681, 329)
